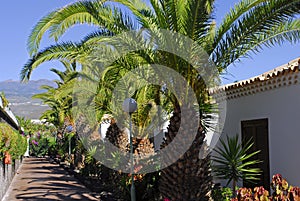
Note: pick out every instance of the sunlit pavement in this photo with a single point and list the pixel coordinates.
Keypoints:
(37, 179)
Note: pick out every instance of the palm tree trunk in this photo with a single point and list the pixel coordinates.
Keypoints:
(189, 178)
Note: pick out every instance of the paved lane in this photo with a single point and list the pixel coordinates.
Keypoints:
(38, 180)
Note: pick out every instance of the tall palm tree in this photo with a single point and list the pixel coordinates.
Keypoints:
(56, 113)
(247, 28)
(59, 98)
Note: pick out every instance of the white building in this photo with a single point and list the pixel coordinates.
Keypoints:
(7, 115)
(267, 108)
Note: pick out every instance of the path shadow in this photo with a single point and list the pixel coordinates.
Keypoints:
(39, 181)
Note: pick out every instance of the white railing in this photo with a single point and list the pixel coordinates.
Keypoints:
(7, 173)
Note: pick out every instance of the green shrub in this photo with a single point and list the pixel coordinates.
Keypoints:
(11, 141)
(41, 145)
(221, 193)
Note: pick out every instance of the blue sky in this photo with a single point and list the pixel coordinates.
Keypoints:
(18, 17)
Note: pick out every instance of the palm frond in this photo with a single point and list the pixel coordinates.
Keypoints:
(81, 12)
(158, 12)
(199, 20)
(233, 15)
(233, 162)
(38, 31)
(244, 34)
(65, 50)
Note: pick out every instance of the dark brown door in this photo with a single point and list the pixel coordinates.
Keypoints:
(258, 131)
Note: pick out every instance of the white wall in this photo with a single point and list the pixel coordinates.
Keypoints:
(282, 107)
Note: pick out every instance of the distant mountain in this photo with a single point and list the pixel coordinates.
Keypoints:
(19, 95)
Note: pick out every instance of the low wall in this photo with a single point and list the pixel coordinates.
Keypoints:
(7, 173)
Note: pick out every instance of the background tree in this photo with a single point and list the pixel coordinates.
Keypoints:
(59, 98)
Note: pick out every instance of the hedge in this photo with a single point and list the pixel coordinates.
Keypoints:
(11, 141)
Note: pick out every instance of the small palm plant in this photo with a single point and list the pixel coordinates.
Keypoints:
(232, 161)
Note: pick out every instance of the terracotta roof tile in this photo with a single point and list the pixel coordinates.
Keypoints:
(284, 70)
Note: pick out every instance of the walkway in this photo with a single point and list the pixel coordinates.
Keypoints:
(38, 180)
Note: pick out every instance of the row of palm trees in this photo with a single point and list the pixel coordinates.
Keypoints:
(182, 35)
(58, 97)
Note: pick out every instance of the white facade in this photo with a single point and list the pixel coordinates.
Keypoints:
(12, 120)
(275, 96)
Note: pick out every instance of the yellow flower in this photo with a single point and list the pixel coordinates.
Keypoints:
(285, 184)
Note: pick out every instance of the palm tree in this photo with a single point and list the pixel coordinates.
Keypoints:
(58, 107)
(59, 98)
(247, 28)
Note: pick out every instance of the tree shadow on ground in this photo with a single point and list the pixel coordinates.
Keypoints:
(39, 180)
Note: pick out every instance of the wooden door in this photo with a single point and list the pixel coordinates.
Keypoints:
(259, 132)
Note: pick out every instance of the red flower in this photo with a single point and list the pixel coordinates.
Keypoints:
(137, 168)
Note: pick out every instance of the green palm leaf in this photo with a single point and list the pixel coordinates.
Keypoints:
(232, 161)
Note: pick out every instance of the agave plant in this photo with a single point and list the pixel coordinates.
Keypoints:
(233, 163)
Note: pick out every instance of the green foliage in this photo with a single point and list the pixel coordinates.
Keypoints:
(92, 167)
(246, 28)
(18, 145)
(62, 146)
(52, 146)
(31, 128)
(146, 185)
(232, 161)
(115, 181)
(42, 141)
(221, 193)
(11, 141)
(59, 98)
(41, 145)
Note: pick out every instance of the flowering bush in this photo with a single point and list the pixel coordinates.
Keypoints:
(34, 142)
(40, 145)
(280, 187)
(261, 194)
(294, 193)
(281, 192)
